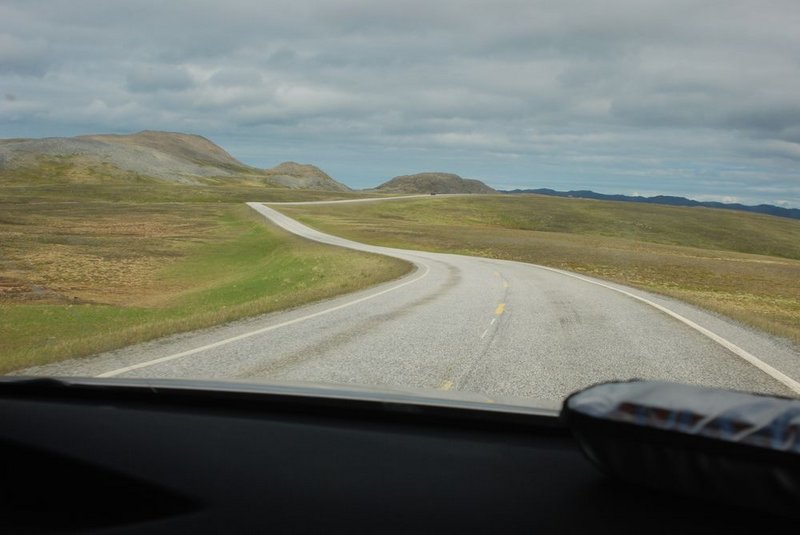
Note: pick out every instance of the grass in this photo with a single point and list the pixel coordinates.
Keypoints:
(92, 268)
(69, 168)
(745, 266)
(160, 192)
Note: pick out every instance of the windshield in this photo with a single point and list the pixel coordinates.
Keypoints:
(489, 199)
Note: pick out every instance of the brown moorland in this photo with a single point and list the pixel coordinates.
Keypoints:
(745, 266)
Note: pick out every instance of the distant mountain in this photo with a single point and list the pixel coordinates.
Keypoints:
(305, 176)
(433, 183)
(768, 209)
(145, 156)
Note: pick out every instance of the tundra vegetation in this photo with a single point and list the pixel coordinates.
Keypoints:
(86, 268)
(745, 266)
(91, 261)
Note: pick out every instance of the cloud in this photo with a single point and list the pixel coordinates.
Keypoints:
(634, 94)
(235, 77)
(149, 78)
(27, 57)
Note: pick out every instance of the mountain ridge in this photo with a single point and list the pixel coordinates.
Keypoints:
(669, 200)
(145, 156)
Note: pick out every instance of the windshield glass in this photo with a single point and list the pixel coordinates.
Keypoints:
(490, 199)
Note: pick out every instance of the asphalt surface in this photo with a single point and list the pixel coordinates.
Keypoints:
(457, 323)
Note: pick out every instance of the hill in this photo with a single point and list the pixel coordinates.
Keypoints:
(145, 156)
(433, 183)
(745, 266)
(768, 209)
(305, 176)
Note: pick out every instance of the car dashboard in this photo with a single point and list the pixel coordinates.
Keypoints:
(117, 456)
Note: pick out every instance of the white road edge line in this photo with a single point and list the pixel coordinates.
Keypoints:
(730, 346)
(344, 201)
(262, 330)
(219, 343)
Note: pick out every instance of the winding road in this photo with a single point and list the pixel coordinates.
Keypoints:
(456, 323)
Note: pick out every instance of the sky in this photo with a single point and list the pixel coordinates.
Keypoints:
(698, 99)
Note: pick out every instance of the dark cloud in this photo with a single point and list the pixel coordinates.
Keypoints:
(152, 78)
(27, 57)
(671, 96)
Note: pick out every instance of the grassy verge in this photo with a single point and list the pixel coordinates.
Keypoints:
(81, 277)
(745, 266)
(159, 192)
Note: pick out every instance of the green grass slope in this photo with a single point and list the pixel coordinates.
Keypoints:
(92, 268)
(746, 266)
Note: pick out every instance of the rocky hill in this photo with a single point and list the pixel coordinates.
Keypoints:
(148, 155)
(306, 176)
(433, 183)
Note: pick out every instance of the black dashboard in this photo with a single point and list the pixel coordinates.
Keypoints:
(116, 456)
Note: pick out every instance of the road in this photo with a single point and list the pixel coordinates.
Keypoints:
(457, 323)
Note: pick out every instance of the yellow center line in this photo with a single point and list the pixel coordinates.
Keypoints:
(446, 385)
(503, 279)
(500, 309)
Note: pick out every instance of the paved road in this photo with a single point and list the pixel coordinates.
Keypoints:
(493, 327)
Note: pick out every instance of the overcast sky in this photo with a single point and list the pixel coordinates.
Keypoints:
(700, 99)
